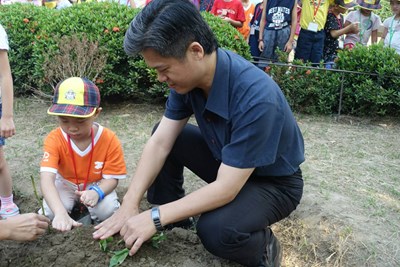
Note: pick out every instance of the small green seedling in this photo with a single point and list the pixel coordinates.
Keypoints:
(157, 239)
(38, 199)
(36, 194)
(104, 243)
(119, 257)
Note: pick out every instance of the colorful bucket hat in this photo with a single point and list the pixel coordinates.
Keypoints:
(75, 97)
(346, 3)
(369, 4)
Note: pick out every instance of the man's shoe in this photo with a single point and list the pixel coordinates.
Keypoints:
(273, 254)
(188, 224)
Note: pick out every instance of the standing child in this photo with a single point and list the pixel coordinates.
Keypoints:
(82, 160)
(248, 13)
(277, 27)
(255, 32)
(335, 31)
(230, 11)
(206, 5)
(368, 21)
(391, 33)
(310, 43)
(7, 128)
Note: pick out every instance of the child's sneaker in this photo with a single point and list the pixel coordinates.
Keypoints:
(9, 211)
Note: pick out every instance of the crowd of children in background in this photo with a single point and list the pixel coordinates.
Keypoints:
(315, 29)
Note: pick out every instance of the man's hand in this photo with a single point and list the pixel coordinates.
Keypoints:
(24, 227)
(137, 230)
(113, 224)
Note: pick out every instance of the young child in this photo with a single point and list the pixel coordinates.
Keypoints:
(391, 32)
(368, 23)
(310, 43)
(255, 32)
(335, 31)
(206, 5)
(277, 28)
(248, 13)
(231, 11)
(82, 160)
(7, 128)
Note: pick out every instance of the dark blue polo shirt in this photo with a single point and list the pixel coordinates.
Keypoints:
(246, 121)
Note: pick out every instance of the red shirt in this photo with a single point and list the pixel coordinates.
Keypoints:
(232, 9)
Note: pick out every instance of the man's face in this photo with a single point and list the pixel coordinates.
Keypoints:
(180, 74)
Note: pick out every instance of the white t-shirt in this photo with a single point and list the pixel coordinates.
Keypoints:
(3, 39)
(366, 26)
(392, 38)
(3, 45)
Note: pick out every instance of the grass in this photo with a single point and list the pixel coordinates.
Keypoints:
(350, 211)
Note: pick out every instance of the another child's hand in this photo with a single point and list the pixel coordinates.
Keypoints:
(63, 222)
(354, 28)
(288, 47)
(89, 198)
(7, 127)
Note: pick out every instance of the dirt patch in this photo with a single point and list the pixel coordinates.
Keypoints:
(349, 215)
(181, 247)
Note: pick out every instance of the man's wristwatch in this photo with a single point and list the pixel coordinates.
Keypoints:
(155, 215)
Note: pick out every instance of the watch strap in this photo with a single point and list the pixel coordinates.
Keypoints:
(155, 216)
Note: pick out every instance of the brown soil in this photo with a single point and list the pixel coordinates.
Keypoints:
(349, 215)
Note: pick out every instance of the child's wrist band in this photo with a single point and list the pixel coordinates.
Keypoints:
(98, 191)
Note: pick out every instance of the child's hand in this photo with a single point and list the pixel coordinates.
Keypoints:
(7, 127)
(89, 198)
(63, 222)
(354, 28)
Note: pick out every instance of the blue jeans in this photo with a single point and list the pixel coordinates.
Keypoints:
(274, 39)
(236, 231)
(310, 46)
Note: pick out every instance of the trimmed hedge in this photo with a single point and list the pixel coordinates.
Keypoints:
(35, 34)
(316, 91)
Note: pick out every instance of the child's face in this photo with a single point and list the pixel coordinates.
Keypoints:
(365, 12)
(395, 5)
(340, 9)
(78, 129)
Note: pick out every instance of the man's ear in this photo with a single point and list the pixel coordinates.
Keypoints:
(196, 50)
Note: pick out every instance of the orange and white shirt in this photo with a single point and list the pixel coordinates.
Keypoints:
(107, 159)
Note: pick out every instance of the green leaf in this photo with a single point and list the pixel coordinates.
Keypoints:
(119, 257)
(104, 243)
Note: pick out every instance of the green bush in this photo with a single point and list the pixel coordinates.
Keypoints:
(35, 35)
(21, 29)
(376, 94)
(317, 91)
(307, 90)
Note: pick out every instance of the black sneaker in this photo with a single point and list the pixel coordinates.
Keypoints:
(188, 224)
(273, 254)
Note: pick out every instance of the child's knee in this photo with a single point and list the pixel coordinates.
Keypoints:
(105, 208)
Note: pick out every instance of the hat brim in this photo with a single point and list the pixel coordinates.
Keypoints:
(370, 7)
(349, 5)
(71, 110)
